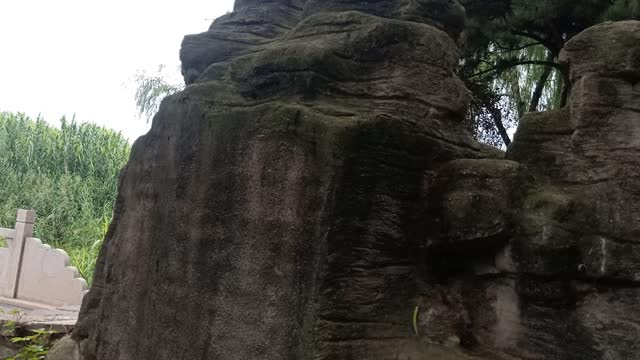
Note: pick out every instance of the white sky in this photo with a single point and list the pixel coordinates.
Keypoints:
(79, 56)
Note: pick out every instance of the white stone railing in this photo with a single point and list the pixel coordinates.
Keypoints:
(34, 272)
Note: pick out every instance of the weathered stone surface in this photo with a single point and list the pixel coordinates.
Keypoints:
(273, 210)
(7, 350)
(252, 25)
(608, 50)
(312, 195)
(475, 202)
(65, 349)
(574, 254)
(446, 15)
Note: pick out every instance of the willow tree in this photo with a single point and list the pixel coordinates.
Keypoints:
(510, 56)
(151, 89)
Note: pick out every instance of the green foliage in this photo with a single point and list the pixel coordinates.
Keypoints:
(151, 90)
(624, 10)
(9, 327)
(510, 56)
(32, 346)
(69, 175)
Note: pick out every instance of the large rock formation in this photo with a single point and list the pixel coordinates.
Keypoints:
(576, 253)
(312, 188)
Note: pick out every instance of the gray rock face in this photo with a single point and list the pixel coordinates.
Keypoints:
(253, 25)
(6, 350)
(575, 252)
(446, 15)
(65, 349)
(312, 195)
(273, 210)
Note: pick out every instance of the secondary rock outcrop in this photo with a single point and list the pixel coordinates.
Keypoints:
(312, 189)
(576, 250)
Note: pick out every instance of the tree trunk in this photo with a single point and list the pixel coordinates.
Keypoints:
(542, 81)
(497, 119)
(566, 88)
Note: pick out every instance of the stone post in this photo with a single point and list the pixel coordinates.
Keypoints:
(11, 258)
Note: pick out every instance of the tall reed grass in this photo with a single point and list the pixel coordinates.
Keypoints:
(68, 174)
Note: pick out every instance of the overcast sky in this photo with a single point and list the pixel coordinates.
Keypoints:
(79, 56)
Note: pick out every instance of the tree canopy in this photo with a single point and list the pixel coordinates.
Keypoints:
(510, 56)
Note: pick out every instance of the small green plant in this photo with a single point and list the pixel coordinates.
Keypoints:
(10, 326)
(34, 346)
